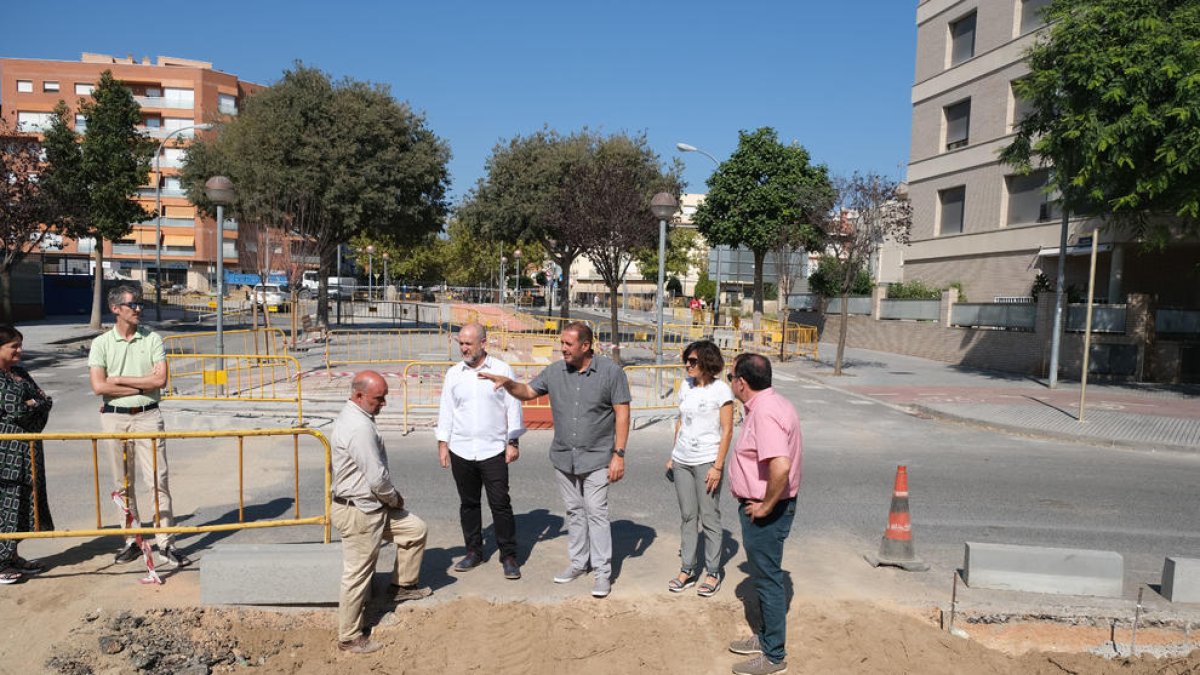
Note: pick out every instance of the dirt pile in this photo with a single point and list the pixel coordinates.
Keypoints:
(583, 636)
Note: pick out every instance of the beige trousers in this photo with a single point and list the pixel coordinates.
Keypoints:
(362, 533)
(151, 465)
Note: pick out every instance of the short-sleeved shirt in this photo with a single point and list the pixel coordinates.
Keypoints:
(134, 357)
(581, 402)
(770, 429)
(700, 421)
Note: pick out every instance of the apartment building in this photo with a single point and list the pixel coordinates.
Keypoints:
(174, 94)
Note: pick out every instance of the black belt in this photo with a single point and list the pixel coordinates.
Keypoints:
(128, 411)
(343, 501)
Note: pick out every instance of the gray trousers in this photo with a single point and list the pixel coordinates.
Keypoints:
(696, 503)
(589, 535)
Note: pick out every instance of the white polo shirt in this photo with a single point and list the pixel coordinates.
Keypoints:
(475, 418)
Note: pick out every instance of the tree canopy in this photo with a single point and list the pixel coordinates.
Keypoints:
(1114, 93)
(754, 197)
(327, 161)
(519, 197)
(93, 183)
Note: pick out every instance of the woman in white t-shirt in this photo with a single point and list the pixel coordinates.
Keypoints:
(702, 436)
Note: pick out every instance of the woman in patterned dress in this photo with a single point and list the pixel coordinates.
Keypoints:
(24, 408)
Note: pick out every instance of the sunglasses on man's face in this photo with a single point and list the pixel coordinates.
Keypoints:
(729, 377)
(691, 361)
(135, 306)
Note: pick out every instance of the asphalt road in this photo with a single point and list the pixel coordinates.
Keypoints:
(966, 484)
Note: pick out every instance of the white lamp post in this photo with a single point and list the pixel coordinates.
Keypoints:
(663, 206)
(370, 273)
(503, 277)
(716, 313)
(219, 190)
(517, 264)
(158, 215)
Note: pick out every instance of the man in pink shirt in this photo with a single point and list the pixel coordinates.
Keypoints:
(764, 476)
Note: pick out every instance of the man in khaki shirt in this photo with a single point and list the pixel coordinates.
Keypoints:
(367, 509)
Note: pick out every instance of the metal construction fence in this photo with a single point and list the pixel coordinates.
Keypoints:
(347, 346)
(422, 388)
(239, 341)
(240, 435)
(259, 378)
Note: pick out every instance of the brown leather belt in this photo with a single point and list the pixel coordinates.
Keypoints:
(343, 501)
(128, 411)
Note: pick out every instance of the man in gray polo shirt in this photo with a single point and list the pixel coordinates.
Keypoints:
(589, 399)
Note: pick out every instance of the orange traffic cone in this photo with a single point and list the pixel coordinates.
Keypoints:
(896, 549)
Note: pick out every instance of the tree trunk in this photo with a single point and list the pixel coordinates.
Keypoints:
(97, 285)
(616, 327)
(841, 349)
(6, 310)
(760, 257)
(564, 307)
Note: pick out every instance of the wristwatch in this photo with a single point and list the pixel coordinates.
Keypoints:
(515, 442)
(619, 452)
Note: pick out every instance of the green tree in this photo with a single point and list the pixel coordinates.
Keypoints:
(1114, 94)
(682, 255)
(826, 280)
(605, 207)
(94, 182)
(705, 288)
(327, 161)
(22, 208)
(518, 198)
(869, 209)
(754, 198)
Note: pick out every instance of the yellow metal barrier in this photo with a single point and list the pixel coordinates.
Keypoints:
(241, 341)
(235, 377)
(240, 434)
(422, 385)
(654, 387)
(391, 345)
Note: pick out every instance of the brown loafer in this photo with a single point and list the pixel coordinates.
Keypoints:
(406, 593)
(360, 645)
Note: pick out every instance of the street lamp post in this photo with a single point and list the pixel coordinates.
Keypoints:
(370, 273)
(503, 278)
(517, 264)
(663, 206)
(716, 312)
(386, 284)
(158, 215)
(219, 190)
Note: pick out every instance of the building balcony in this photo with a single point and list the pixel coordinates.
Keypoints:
(160, 102)
(166, 192)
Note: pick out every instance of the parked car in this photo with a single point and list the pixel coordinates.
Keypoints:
(272, 297)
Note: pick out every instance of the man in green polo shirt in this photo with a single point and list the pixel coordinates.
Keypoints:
(128, 368)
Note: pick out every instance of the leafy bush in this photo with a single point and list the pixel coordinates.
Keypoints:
(913, 290)
(827, 279)
(705, 288)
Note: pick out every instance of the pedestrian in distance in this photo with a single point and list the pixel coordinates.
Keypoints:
(368, 510)
(478, 434)
(703, 432)
(128, 369)
(764, 477)
(24, 409)
(589, 403)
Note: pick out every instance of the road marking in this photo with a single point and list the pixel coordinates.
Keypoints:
(807, 400)
(858, 402)
(779, 376)
(805, 386)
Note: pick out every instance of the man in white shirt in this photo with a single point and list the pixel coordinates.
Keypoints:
(367, 509)
(478, 434)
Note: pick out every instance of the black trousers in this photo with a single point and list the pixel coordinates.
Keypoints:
(491, 475)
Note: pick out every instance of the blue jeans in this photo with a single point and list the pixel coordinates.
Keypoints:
(763, 540)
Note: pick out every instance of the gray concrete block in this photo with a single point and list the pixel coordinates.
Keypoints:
(1042, 569)
(1181, 579)
(276, 574)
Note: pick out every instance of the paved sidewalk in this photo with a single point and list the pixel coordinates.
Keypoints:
(1137, 415)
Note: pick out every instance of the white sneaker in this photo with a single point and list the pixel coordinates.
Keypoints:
(601, 588)
(568, 575)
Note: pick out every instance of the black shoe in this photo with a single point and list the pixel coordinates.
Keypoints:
(169, 558)
(128, 554)
(470, 561)
(511, 569)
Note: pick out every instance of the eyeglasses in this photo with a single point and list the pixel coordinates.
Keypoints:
(135, 306)
(729, 377)
(691, 361)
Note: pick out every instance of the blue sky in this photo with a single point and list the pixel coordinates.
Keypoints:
(833, 75)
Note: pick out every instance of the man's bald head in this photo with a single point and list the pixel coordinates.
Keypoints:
(472, 343)
(369, 391)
